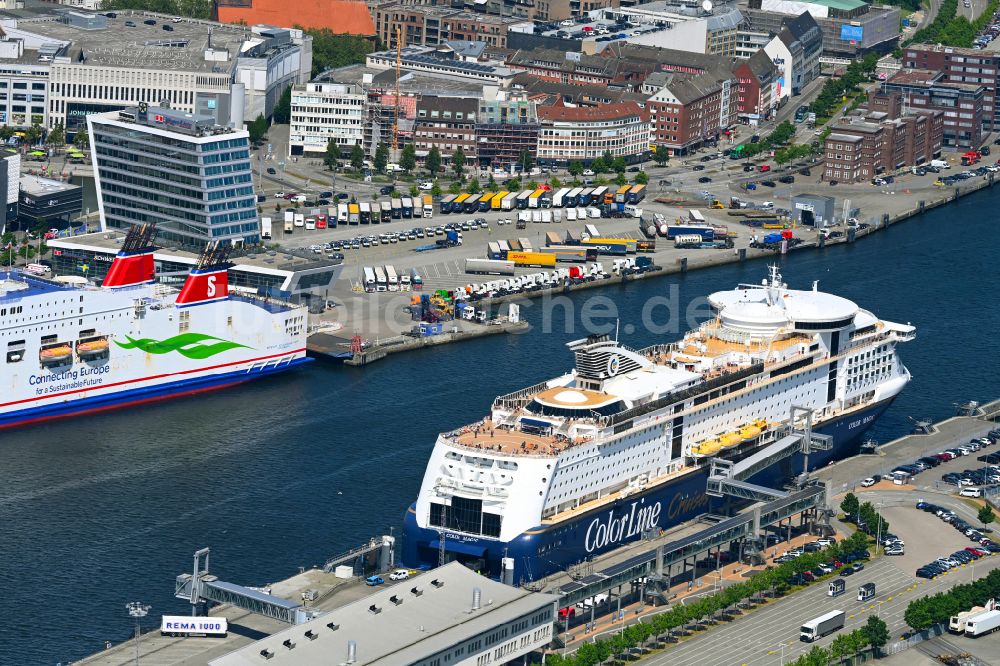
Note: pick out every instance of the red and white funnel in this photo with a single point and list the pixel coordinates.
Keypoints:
(204, 285)
(130, 269)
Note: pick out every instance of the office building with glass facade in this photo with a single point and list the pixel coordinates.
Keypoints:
(189, 175)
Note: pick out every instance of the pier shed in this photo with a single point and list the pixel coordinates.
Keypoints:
(814, 210)
(448, 615)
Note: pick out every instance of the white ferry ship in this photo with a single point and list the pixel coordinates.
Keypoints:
(71, 348)
(621, 444)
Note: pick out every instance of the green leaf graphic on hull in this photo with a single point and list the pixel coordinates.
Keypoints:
(197, 346)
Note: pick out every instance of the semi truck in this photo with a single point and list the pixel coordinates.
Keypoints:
(489, 266)
(707, 233)
(956, 624)
(392, 280)
(428, 206)
(265, 228)
(629, 243)
(688, 241)
(353, 214)
(300, 220)
(365, 212)
(557, 198)
(636, 194)
(822, 626)
(342, 214)
(397, 208)
(573, 253)
(982, 624)
(407, 208)
(445, 205)
(386, 212)
(289, 221)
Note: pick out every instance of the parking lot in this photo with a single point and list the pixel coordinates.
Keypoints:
(926, 536)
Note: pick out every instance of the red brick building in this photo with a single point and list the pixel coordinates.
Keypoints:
(755, 80)
(868, 143)
(967, 66)
(687, 111)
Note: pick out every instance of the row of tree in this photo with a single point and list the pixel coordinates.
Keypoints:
(836, 89)
(781, 135)
(928, 611)
(950, 29)
(773, 581)
(198, 9)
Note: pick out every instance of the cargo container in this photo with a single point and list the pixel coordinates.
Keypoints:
(585, 197)
(695, 216)
(509, 202)
(493, 251)
(591, 231)
(497, 201)
(368, 279)
(552, 238)
(391, 279)
(610, 248)
(581, 213)
(632, 211)
(489, 266)
(599, 194)
(265, 228)
(629, 243)
(636, 194)
(540, 259)
(514, 245)
(546, 216)
(557, 198)
(557, 215)
(407, 207)
(571, 214)
(445, 205)
(380, 280)
(525, 244)
(594, 213)
(822, 626)
(570, 252)
(428, 206)
(645, 246)
(622, 193)
(458, 203)
(366, 212)
(982, 624)
(522, 198)
(386, 212)
(290, 220)
(504, 247)
(572, 197)
(485, 200)
(536, 216)
(707, 233)
(573, 237)
(397, 208)
(957, 623)
(300, 219)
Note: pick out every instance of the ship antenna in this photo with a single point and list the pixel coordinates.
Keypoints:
(617, 322)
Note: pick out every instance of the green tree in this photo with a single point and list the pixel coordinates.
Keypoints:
(81, 141)
(575, 168)
(877, 632)
(408, 157)
(33, 134)
(455, 187)
(850, 506)
(436, 189)
(491, 184)
(414, 191)
(381, 158)
(986, 515)
(331, 50)
(526, 161)
(555, 183)
(642, 178)
(333, 154)
(357, 156)
(282, 114)
(513, 185)
(599, 165)
(840, 648)
(57, 136)
(473, 187)
(257, 128)
(661, 156)
(433, 161)
(458, 162)
(531, 185)
(618, 165)
(620, 179)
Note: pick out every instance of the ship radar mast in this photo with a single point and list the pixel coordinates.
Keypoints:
(774, 285)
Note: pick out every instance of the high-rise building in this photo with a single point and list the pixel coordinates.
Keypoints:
(189, 175)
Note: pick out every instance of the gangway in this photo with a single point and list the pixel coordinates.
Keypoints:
(729, 478)
(385, 545)
(200, 586)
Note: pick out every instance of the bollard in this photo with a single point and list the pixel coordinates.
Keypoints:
(822, 242)
(684, 265)
(921, 205)
(851, 233)
(742, 254)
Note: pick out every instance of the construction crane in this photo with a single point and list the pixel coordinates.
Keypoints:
(395, 119)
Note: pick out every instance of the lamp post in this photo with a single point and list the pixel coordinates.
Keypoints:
(137, 610)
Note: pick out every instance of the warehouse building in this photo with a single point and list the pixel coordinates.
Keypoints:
(448, 616)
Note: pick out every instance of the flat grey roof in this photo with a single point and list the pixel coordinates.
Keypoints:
(396, 625)
(38, 186)
(417, 82)
(144, 46)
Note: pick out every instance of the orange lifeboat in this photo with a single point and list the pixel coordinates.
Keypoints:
(55, 354)
(92, 347)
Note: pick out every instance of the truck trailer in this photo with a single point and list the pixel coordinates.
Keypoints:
(489, 266)
(957, 623)
(982, 624)
(822, 626)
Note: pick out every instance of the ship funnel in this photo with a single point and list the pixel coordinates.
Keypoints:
(352, 651)
(133, 265)
(477, 598)
(209, 280)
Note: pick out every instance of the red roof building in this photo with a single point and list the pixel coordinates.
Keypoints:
(584, 133)
(340, 16)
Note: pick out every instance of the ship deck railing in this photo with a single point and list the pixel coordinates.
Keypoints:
(501, 438)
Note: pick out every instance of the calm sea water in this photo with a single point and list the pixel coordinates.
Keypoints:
(100, 511)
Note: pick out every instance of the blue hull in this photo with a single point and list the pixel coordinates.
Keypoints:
(546, 549)
(165, 391)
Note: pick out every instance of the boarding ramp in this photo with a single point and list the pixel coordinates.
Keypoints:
(730, 478)
(201, 586)
(654, 561)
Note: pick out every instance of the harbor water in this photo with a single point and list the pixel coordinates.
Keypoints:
(107, 509)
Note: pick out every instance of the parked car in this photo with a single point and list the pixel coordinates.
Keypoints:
(868, 483)
(374, 580)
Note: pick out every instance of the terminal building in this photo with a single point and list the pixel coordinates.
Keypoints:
(450, 616)
(298, 276)
(183, 172)
(47, 203)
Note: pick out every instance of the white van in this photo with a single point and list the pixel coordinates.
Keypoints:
(970, 492)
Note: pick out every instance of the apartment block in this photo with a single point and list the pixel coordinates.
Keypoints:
(970, 66)
(868, 143)
(569, 133)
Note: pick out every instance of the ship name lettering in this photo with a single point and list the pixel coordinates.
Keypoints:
(615, 528)
(855, 424)
(680, 505)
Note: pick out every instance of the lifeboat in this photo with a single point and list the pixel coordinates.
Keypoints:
(708, 447)
(730, 439)
(748, 432)
(92, 347)
(55, 354)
